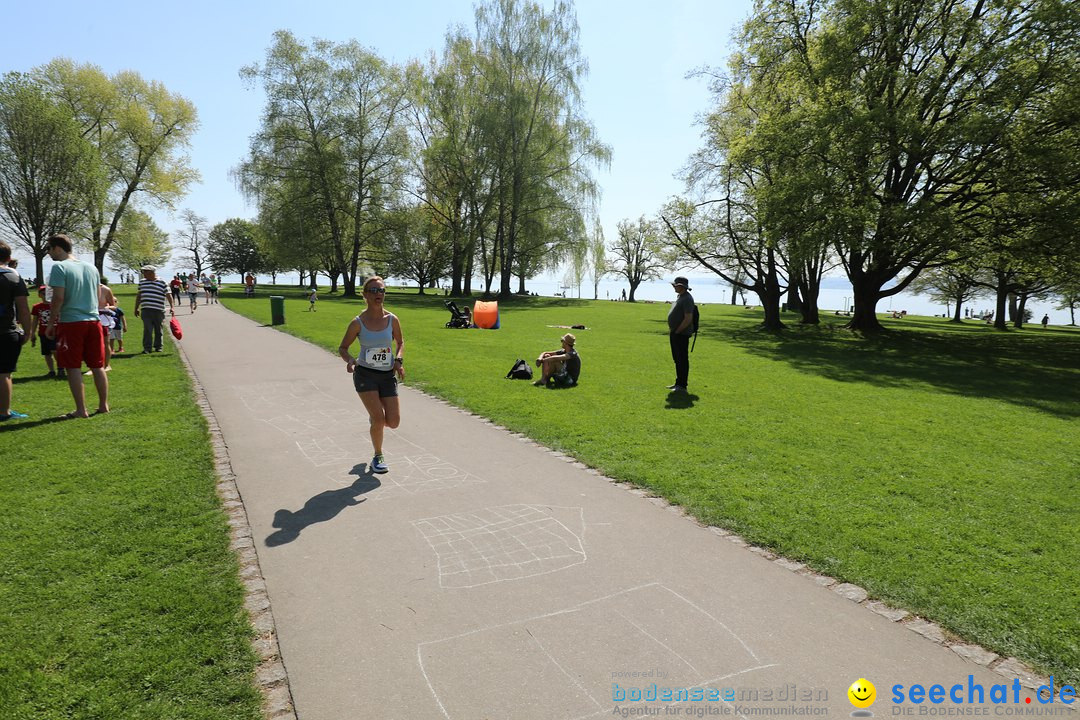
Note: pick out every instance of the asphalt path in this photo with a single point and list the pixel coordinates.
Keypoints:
(485, 576)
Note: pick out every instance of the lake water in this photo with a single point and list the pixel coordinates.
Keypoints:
(835, 295)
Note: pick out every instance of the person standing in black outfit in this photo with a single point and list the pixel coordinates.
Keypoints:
(680, 327)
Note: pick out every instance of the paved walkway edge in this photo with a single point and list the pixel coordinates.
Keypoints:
(271, 676)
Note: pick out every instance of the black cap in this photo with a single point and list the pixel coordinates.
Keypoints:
(681, 281)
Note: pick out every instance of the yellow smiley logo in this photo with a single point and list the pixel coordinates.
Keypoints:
(862, 693)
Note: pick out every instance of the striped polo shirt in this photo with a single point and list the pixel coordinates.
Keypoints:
(152, 294)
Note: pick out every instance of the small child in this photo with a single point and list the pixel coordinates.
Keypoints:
(312, 298)
(116, 332)
(39, 320)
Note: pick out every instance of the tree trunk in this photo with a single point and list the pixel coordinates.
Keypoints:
(1012, 307)
(794, 302)
(99, 260)
(999, 313)
(810, 291)
(770, 303)
(1018, 321)
(633, 289)
(39, 268)
(333, 280)
(864, 315)
(734, 294)
(959, 302)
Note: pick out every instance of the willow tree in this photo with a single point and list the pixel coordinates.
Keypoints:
(139, 132)
(333, 128)
(533, 127)
(453, 169)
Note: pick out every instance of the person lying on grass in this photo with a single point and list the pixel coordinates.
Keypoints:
(562, 366)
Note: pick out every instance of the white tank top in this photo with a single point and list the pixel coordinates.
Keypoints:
(377, 346)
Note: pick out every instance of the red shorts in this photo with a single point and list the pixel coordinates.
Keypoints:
(79, 341)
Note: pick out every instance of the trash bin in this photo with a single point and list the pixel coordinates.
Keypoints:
(277, 309)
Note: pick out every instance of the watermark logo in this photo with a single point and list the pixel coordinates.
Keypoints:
(862, 695)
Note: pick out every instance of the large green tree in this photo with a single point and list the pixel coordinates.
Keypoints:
(507, 149)
(233, 246)
(139, 132)
(420, 249)
(453, 169)
(333, 129)
(46, 166)
(533, 124)
(910, 106)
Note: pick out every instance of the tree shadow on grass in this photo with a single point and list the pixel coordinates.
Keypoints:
(1019, 368)
(321, 508)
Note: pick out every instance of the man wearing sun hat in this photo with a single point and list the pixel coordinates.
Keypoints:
(680, 327)
(150, 305)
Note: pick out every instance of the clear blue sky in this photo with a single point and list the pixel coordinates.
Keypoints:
(636, 94)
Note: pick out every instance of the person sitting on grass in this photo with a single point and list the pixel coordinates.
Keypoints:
(561, 367)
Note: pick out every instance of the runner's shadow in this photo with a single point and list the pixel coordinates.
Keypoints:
(321, 508)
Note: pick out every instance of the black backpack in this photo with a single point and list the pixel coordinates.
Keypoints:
(520, 371)
(697, 320)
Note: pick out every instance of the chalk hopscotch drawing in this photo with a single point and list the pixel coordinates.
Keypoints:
(412, 475)
(569, 655)
(271, 399)
(322, 421)
(321, 452)
(501, 543)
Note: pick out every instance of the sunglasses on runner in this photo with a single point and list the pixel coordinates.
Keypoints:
(376, 291)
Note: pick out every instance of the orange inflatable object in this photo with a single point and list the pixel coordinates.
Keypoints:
(486, 315)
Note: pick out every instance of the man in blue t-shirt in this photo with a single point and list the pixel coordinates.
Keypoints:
(680, 327)
(75, 325)
(13, 307)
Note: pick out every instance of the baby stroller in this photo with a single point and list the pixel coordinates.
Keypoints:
(458, 318)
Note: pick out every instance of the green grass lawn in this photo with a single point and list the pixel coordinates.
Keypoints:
(936, 465)
(119, 597)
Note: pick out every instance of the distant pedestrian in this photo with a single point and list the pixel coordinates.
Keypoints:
(74, 324)
(150, 305)
(624, 294)
(680, 328)
(249, 285)
(212, 289)
(375, 366)
(174, 287)
(14, 307)
(312, 298)
(1045, 321)
(193, 286)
